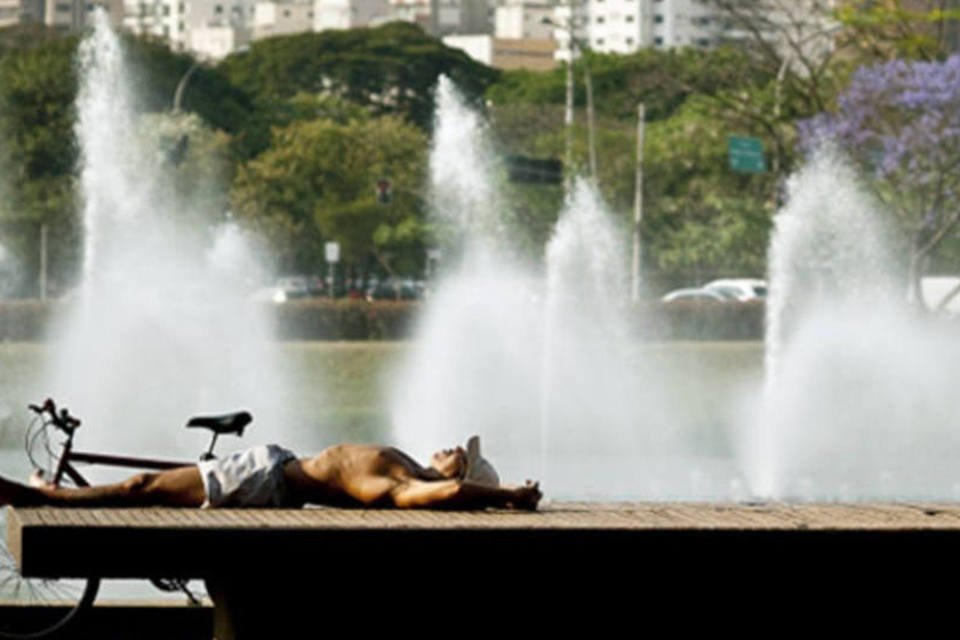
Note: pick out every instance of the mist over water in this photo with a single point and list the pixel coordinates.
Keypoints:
(475, 361)
(160, 328)
(540, 360)
(859, 400)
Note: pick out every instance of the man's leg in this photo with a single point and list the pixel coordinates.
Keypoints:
(180, 487)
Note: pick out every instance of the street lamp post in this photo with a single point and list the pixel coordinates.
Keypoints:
(572, 46)
(182, 86)
(637, 206)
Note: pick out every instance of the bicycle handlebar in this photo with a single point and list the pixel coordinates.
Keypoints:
(62, 419)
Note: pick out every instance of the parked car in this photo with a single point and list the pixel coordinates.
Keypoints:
(397, 290)
(292, 288)
(703, 295)
(742, 289)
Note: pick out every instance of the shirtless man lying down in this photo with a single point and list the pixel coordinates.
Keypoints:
(347, 475)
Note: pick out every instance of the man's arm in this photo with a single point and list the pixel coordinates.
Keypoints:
(463, 495)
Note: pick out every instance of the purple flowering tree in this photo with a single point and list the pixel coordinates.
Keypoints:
(900, 121)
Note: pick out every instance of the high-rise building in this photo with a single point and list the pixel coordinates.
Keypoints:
(524, 19)
(624, 26)
(347, 14)
(281, 17)
(70, 15)
(9, 12)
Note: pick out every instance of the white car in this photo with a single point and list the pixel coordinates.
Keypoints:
(741, 289)
(702, 295)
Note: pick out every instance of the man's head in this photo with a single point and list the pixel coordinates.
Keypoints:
(451, 463)
(466, 464)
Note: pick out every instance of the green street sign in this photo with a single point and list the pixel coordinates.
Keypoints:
(746, 154)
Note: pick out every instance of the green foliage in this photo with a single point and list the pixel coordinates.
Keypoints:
(320, 319)
(702, 217)
(317, 183)
(888, 29)
(662, 79)
(390, 69)
(157, 71)
(193, 167)
(37, 153)
(37, 86)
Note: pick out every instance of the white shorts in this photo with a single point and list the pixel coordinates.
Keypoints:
(251, 478)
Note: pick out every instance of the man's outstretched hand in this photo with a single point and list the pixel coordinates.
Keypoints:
(526, 497)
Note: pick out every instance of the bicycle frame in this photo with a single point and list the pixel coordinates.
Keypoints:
(68, 456)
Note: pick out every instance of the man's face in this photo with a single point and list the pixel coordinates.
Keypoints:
(451, 463)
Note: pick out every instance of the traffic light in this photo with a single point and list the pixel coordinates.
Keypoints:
(384, 191)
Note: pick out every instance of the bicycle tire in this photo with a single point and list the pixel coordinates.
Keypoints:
(38, 607)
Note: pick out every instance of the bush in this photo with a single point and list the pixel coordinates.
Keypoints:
(322, 319)
(344, 320)
(25, 320)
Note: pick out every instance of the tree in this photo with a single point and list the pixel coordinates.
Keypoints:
(317, 182)
(156, 71)
(37, 153)
(900, 122)
(390, 69)
(702, 219)
(891, 29)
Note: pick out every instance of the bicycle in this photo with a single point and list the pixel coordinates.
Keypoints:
(60, 601)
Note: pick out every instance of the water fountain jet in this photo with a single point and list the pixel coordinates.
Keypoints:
(160, 327)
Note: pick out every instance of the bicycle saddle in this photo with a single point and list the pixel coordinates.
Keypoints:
(229, 423)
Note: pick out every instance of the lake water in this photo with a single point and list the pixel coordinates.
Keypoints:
(339, 396)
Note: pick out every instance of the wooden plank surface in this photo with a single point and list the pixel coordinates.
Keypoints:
(558, 516)
(214, 543)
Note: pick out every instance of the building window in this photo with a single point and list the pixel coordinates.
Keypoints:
(629, 17)
(703, 42)
(629, 42)
(598, 42)
(658, 41)
(658, 19)
(218, 9)
(63, 7)
(600, 19)
(286, 13)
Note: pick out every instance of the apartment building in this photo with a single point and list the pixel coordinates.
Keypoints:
(279, 18)
(66, 15)
(205, 27)
(349, 14)
(9, 12)
(533, 54)
(521, 19)
(624, 26)
(446, 17)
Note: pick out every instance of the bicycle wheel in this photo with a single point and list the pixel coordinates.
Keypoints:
(36, 607)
